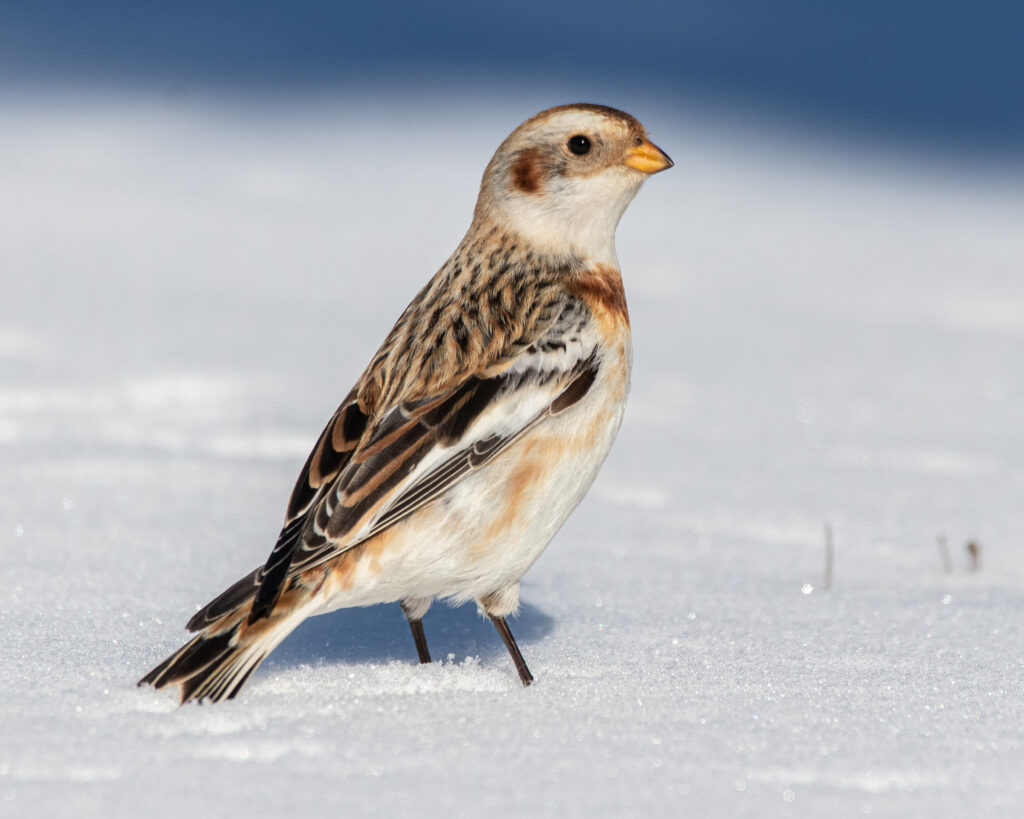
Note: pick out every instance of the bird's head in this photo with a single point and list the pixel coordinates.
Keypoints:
(563, 179)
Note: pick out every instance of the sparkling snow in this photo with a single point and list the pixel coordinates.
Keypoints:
(822, 335)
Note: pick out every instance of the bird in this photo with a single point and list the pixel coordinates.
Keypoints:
(476, 428)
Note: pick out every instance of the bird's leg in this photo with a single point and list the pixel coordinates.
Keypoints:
(414, 611)
(421, 640)
(498, 605)
(513, 649)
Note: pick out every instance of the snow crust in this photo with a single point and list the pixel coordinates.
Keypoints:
(822, 335)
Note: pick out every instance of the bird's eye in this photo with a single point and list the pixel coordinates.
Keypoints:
(579, 145)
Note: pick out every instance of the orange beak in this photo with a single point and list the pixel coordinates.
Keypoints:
(648, 158)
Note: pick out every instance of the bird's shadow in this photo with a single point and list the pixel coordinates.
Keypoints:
(381, 633)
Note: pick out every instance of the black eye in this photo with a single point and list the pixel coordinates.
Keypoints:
(579, 145)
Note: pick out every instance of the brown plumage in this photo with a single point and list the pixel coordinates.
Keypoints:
(478, 424)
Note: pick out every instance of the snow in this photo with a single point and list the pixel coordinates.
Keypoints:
(823, 334)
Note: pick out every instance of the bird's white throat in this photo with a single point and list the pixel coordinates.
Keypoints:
(576, 213)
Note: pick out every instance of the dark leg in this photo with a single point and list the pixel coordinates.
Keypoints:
(414, 611)
(421, 640)
(513, 649)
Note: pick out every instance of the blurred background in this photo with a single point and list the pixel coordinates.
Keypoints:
(210, 215)
(944, 75)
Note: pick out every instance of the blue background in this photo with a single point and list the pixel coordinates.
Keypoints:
(942, 75)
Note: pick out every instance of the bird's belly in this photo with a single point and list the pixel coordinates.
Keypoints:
(485, 533)
(525, 501)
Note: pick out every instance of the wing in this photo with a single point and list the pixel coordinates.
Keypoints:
(423, 456)
(418, 450)
(438, 479)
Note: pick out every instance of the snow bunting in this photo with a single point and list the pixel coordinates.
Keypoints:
(476, 428)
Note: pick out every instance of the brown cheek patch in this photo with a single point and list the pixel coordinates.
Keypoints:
(527, 172)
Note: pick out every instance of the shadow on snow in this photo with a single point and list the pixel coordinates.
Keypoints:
(378, 634)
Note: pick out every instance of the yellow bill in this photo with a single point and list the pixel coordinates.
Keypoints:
(648, 157)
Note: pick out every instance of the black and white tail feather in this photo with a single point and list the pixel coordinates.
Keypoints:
(215, 664)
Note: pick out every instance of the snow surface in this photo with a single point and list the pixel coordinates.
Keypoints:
(821, 335)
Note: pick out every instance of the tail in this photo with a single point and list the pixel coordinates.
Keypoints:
(215, 664)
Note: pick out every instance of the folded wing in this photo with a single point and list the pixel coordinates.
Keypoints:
(371, 470)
